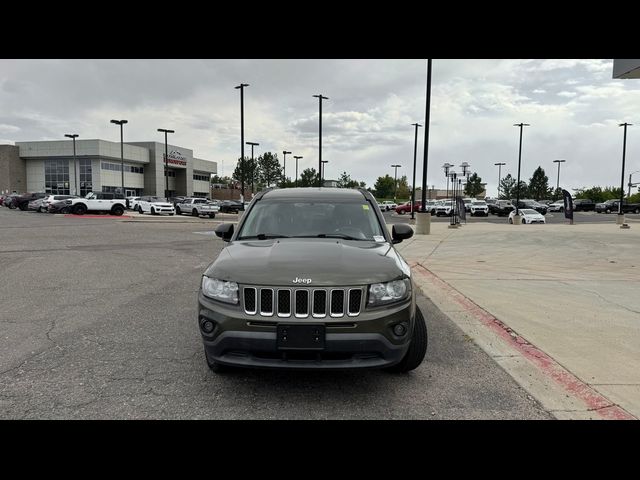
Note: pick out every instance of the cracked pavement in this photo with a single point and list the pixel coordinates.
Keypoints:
(94, 329)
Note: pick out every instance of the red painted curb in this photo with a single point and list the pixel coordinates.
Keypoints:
(71, 215)
(594, 400)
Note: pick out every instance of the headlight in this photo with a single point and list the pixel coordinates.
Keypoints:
(390, 292)
(220, 290)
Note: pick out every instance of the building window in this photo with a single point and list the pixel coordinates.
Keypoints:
(56, 176)
(116, 167)
(86, 177)
(202, 178)
(170, 173)
(200, 194)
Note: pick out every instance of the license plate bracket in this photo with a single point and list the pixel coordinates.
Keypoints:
(300, 336)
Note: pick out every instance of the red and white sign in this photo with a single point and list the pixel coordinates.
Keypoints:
(176, 158)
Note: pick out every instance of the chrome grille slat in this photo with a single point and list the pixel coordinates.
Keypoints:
(319, 304)
(266, 302)
(337, 303)
(302, 302)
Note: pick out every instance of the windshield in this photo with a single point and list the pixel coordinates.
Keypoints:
(89, 195)
(479, 204)
(349, 220)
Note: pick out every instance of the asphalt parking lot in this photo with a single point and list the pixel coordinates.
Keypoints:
(99, 322)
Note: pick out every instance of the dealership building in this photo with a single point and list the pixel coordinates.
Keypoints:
(48, 166)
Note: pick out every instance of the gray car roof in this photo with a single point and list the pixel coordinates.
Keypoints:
(309, 193)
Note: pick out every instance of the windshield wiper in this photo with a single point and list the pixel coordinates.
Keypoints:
(337, 235)
(263, 236)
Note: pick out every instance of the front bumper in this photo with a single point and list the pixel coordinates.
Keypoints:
(365, 341)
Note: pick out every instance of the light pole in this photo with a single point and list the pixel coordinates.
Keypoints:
(75, 165)
(624, 152)
(253, 144)
(454, 177)
(241, 87)
(395, 182)
(322, 175)
(519, 161)
(631, 184)
(558, 181)
(284, 172)
(499, 175)
(426, 139)
(413, 184)
(121, 123)
(297, 157)
(320, 98)
(166, 161)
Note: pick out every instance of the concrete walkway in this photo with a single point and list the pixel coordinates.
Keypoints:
(558, 306)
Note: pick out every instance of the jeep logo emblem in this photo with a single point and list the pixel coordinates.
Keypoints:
(302, 280)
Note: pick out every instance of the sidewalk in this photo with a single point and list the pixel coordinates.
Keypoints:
(558, 306)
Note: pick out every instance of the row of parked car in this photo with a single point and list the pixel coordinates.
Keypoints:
(116, 204)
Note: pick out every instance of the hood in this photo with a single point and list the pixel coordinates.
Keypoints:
(324, 261)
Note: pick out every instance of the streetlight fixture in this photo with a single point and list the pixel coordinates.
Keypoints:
(413, 184)
(297, 157)
(624, 152)
(253, 144)
(446, 167)
(395, 181)
(320, 98)
(121, 123)
(166, 161)
(558, 181)
(75, 164)
(284, 172)
(519, 161)
(322, 175)
(499, 175)
(241, 87)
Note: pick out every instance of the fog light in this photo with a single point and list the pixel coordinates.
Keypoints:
(207, 326)
(399, 329)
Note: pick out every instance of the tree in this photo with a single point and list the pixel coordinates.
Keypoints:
(308, 178)
(384, 187)
(404, 191)
(557, 193)
(269, 169)
(539, 185)
(474, 186)
(598, 194)
(245, 171)
(524, 190)
(507, 187)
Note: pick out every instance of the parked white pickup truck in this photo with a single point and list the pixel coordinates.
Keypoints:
(197, 207)
(98, 202)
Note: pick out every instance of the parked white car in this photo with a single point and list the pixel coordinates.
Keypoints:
(132, 203)
(388, 205)
(445, 208)
(556, 206)
(53, 198)
(528, 216)
(479, 207)
(155, 206)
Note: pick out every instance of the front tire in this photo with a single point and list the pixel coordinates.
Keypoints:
(417, 349)
(153, 211)
(194, 212)
(178, 211)
(213, 215)
(636, 211)
(80, 209)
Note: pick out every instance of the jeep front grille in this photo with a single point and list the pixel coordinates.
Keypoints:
(302, 302)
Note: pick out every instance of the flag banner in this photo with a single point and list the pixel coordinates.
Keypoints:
(568, 205)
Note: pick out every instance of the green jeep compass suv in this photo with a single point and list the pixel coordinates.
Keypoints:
(310, 279)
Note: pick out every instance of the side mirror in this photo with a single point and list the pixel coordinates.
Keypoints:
(400, 232)
(225, 231)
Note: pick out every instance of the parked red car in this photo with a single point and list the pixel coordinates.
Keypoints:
(406, 208)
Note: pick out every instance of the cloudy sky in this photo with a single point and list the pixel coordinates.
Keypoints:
(573, 107)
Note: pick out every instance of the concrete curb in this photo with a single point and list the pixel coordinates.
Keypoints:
(560, 392)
